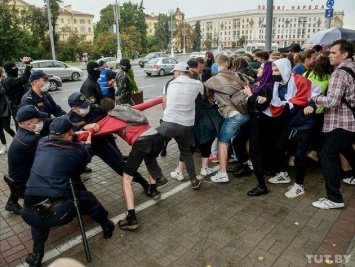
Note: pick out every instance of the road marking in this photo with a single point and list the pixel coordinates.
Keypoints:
(96, 230)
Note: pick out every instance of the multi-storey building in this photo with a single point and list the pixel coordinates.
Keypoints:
(69, 21)
(290, 25)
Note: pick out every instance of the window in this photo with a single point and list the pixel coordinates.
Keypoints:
(82, 21)
(68, 21)
(166, 61)
(89, 29)
(82, 29)
(75, 29)
(88, 21)
(75, 21)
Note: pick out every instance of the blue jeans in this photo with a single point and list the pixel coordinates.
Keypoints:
(231, 127)
(336, 142)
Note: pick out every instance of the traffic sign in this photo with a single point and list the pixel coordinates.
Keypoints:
(329, 13)
(330, 3)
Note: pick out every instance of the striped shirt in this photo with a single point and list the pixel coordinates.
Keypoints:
(337, 114)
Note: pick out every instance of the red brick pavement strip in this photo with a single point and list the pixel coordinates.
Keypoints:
(339, 237)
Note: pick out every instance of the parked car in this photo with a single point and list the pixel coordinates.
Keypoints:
(111, 62)
(58, 68)
(54, 81)
(159, 66)
(197, 54)
(150, 56)
(239, 51)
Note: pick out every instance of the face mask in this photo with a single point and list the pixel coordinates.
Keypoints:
(39, 127)
(84, 111)
(45, 87)
(277, 78)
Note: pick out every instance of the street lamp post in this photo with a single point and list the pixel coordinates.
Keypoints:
(50, 30)
(171, 29)
(184, 34)
(269, 14)
(117, 18)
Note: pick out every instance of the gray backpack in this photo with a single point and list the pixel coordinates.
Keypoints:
(127, 113)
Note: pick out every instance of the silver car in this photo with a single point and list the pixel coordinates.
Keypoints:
(159, 66)
(54, 81)
(111, 62)
(58, 68)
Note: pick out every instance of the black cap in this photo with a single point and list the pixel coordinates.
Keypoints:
(317, 48)
(192, 63)
(37, 74)
(29, 112)
(125, 62)
(101, 63)
(79, 100)
(60, 125)
(294, 48)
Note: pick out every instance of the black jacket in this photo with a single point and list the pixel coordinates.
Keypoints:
(91, 90)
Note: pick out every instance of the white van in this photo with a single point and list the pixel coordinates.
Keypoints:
(251, 47)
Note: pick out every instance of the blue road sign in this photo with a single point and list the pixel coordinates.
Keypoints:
(329, 13)
(330, 3)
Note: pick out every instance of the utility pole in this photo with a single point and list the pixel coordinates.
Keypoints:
(172, 33)
(50, 30)
(117, 18)
(269, 15)
(184, 34)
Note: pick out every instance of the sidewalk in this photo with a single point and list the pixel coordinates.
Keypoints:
(217, 225)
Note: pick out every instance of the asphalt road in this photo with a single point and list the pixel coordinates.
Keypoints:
(151, 86)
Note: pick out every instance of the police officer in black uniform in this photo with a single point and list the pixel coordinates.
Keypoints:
(38, 95)
(22, 153)
(85, 116)
(48, 201)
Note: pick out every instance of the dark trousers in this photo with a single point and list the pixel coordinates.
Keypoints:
(65, 213)
(301, 139)
(336, 142)
(104, 149)
(205, 149)
(5, 125)
(239, 142)
(257, 145)
(317, 135)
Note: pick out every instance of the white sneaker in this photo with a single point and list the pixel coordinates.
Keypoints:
(326, 204)
(3, 150)
(294, 191)
(220, 178)
(350, 180)
(177, 175)
(250, 164)
(313, 155)
(291, 161)
(280, 179)
(206, 171)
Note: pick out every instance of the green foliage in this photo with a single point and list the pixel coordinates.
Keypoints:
(130, 74)
(234, 44)
(208, 44)
(197, 37)
(107, 19)
(241, 40)
(162, 35)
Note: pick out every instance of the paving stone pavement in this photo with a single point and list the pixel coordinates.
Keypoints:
(217, 225)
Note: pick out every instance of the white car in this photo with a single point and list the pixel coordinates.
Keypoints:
(197, 54)
(58, 68)
(111, 62)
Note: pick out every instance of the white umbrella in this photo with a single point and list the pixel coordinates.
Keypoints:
(328, 36)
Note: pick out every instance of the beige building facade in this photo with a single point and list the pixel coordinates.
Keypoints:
(292, 24)
(69, 21)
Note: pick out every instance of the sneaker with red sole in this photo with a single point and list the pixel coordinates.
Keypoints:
(213, 159)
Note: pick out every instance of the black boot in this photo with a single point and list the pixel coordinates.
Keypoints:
(12, 204)
(107, 229)
(34, 259)
(257, 191)
(153, 193)
(242, 170)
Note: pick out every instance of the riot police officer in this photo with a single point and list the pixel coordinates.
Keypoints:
(47, 200)
(22, 153)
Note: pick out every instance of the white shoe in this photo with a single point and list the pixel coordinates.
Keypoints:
(206, 171)
(177, 175)
(220, 178)
(250, 164)
(3, 150)
(350, 180)
(294, 191)
(291, 161)
(280, 179)
(326, 204)
(313, 155)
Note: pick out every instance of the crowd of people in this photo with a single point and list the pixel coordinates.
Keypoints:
(266, 111)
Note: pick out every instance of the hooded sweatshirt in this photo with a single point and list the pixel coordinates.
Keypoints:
(91, 88)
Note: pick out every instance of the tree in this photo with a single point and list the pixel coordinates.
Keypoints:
(241, 40)
(208, 44)
(162, 32)
(197, 37)
(106, 21)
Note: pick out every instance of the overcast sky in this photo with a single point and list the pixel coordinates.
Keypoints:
(194, 8)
